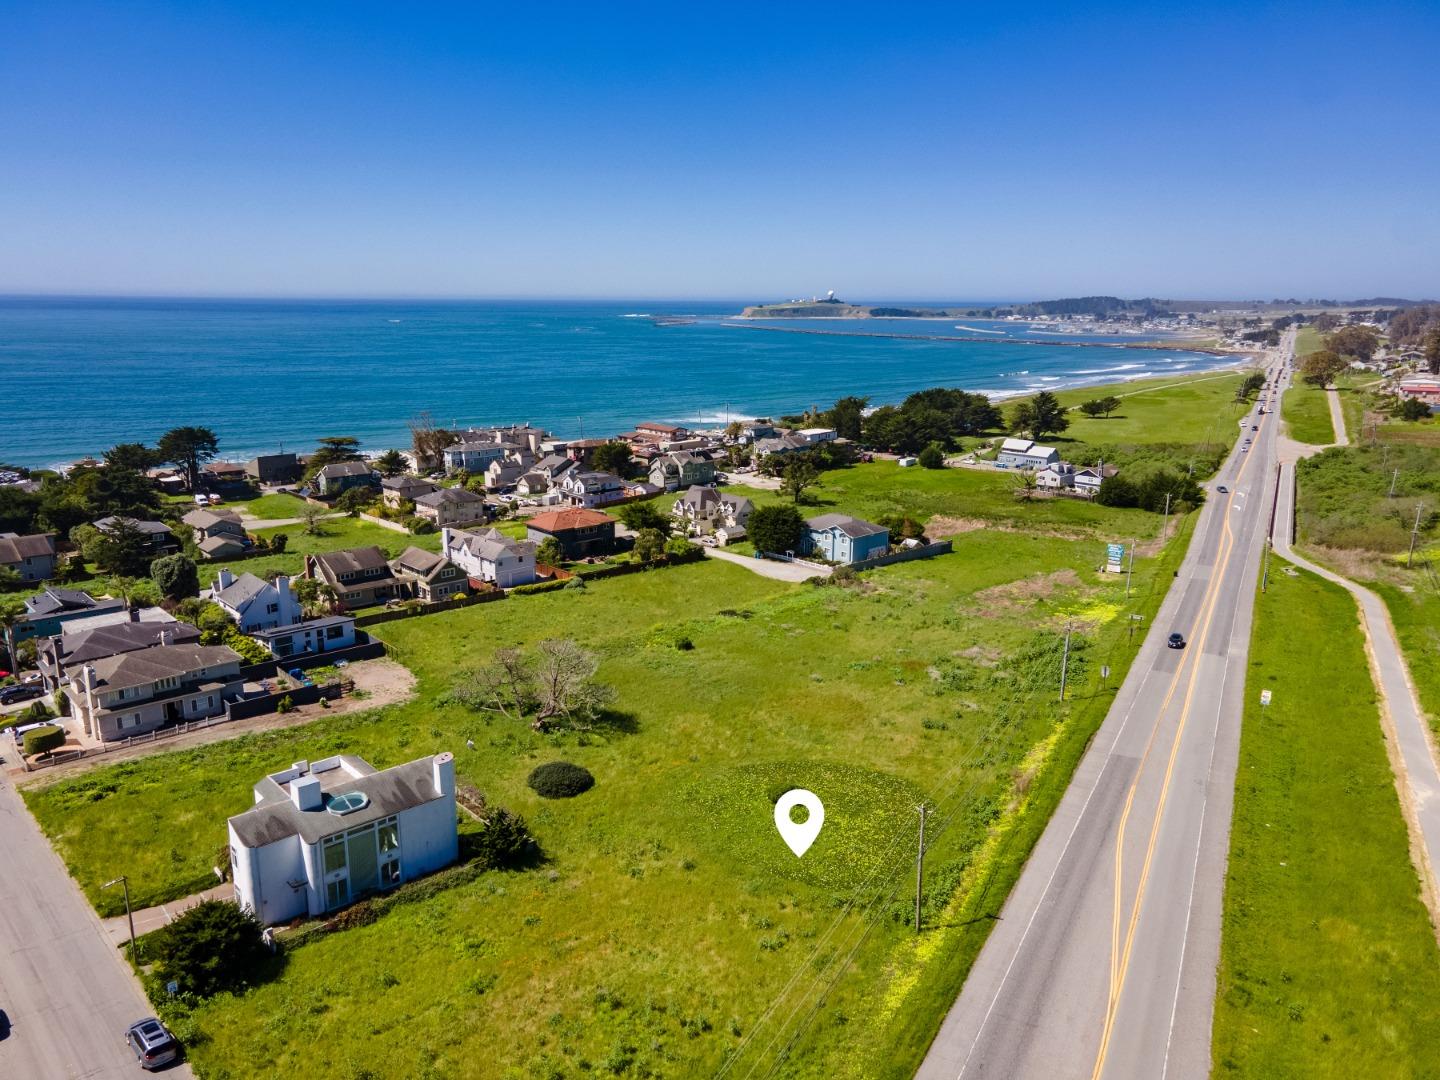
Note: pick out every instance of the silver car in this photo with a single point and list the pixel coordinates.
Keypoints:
(152, 1043)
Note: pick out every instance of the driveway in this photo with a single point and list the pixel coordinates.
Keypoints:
(771, 568)
(65, 989)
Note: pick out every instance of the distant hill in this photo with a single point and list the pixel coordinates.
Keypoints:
(1099, 307)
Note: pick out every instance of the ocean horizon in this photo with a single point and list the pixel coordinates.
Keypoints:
(272, 375)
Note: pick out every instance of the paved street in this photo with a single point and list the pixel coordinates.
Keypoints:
(1103, 961)
(771, 568)
(64, 989)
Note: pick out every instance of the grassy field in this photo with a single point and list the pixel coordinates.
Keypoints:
(1329, 966)
(666, 916)
(1307, 341)
(1307, 415)
(273, 507)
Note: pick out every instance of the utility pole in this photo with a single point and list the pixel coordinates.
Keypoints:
(124, 882)
(1414, 532)
(1393, 477)
(1265, 575)
(1130, 569)
(920, 866)
(1065, 662)
(1165, 529)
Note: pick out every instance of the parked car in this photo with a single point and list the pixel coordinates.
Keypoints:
(1176, 641)
(21, 692)
(152, 1043)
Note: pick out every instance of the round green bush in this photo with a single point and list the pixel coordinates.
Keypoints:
(560, 780)
(43, 740)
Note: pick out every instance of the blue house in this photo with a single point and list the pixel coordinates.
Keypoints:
(845, 539)
(47, 612)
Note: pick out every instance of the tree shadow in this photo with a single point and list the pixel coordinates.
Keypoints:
(616, 721)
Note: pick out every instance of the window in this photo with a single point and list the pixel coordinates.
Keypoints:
(271, 609)
(337, 893)
(334, 631)
(389, 873)
(334, 854)
(389, 834)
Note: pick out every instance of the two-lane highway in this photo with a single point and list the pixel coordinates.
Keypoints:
(1103, 961)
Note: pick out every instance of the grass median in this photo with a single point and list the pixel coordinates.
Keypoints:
(1307, 415)
(1329, 965)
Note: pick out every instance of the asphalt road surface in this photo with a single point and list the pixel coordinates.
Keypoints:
(66, 993)
(1103, 961)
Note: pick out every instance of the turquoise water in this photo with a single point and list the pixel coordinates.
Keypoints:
(84, 374)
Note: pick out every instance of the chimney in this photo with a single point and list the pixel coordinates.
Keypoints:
(88, 680)
(444, 773)
(445, 541)
(167, 637)
(134, 614)
(224, 579)
(305, 792)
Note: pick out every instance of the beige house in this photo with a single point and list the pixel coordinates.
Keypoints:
(427, 576)
(451, 506)
(120, 696)
(218, 533)
(398, 490)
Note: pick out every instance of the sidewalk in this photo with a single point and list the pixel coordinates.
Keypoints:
(153, 918)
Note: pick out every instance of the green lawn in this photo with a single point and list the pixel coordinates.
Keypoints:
(1178, 410)
(1328, 966)
(1307, 415)
(274, 507)
(666, 916)
(1307, 341)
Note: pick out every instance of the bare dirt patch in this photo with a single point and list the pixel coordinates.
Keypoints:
(1018, 595)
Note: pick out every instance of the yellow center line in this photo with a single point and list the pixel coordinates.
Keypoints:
(1119, 971)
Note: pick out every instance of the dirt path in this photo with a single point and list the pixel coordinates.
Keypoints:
(1337, 416)
(771, 568)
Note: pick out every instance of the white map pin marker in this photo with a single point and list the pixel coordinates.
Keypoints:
(799, 836)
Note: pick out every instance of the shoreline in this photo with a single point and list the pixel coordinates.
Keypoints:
(1151, 345)
(1239, 360)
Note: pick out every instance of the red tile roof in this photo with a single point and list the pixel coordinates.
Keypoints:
(552, 521)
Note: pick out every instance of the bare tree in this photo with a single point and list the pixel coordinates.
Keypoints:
(428, 441)
(565, 681)
(506, 686)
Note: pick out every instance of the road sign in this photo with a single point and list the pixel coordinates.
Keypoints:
(1104, 671)
(1114, 557)
(1264, 697)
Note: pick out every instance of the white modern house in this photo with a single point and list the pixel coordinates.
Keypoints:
(490, 556)
(1026, 454)
(256, 604)
(324, 834)
(1059, 474)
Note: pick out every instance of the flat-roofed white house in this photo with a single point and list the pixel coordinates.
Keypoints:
(324, 834)
(1060, 474)
(1026, 454)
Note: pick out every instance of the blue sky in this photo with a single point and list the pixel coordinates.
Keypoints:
(960, 151)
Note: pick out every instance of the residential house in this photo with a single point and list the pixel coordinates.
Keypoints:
(120, 696)
(159, 540)
(398, 490)
(308, 638)
(1026, 454)
(1088, 481)
(73, 648)
(47, 612)
(553, 466)
(814, 435)
(219, 534)
(472, 454)
(532, 484)
(591, 489)
(360, 577)
(582, 451)
(340, 476)
(428, 576)
(273, 469)
(324, 834)
(1056, 476)
(660, 432)
(781, 444)
(225, 478)
(704, 510)
(256, 604)
(681, 469)
(845, 539)
(580, 532)
(490, 556)
(451, 506)
(32, 557)
(503, 474)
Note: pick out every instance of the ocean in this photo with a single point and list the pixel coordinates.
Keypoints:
(84, 374)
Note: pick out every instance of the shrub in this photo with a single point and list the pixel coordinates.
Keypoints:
(214, 946)
(505, 841)
(776, 528)
(420, 526)
(932, 457)
(284, 705)
(175, 576)
(560, 780)
(43, 740)
(678, 547)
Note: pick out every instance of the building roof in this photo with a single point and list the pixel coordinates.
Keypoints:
(451, 496)
(419, 561)
(241, 591)
(212, 545)
(1016, 446)
(149, 528)
(85, 646)
(851, 526)
(308, 624)
(345, 468)
(553, 521)
(593, 480)
(650, 425)
(200, 518)
(14, 549)
(699, 497)
(145, 666)
(388, 791)
(492, 544)
(554, 463)
(55, 601)
(403, 484)
(352, 560)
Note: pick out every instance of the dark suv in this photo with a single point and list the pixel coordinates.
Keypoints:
(152, 1043)
(23, 692)
(1177, 641)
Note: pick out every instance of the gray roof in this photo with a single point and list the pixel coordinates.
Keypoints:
(87, 645)
(308, 624)
(224, 542)
(404, 484)
(150, 528)
(345, 468)
(15, 549)
(352, 560)
(54, 601)
(699, 497)
(850, 526)
(452, 496)
(204, 519)
(162, 662)
(492, 544)
(390, 791)
(241, 591)
(419, 561)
